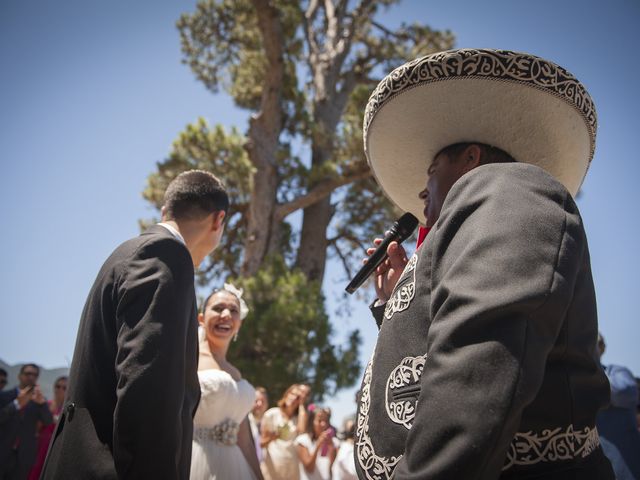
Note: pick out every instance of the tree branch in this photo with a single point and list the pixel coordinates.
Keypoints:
(359, 13)
(320, 191)
(386, 31)
(343, 259)
(309, 17)
(332, 27)
(359, 19)
(350, 238)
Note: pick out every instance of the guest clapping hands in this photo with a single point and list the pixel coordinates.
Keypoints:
(280, 426)
(317, 448)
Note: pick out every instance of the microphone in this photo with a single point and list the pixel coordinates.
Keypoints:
(399, 232)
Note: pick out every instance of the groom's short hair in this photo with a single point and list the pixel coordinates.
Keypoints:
(193, 195)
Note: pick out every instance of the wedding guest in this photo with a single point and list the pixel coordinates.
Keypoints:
(44, 437)
(222, 448)
(25, 406)
(638, 405)
(260, 405)
(344, 468)
(617, 422)
(280, 426)
(3, 380)
(317, 447)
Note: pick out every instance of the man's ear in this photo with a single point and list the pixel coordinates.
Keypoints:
(163, 211)
(218, 219)
(471, 157)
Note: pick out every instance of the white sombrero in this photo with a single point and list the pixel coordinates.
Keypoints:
(529, 107)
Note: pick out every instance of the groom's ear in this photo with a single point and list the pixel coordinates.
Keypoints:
(218, 219)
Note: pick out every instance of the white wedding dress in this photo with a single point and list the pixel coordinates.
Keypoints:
(223, 405)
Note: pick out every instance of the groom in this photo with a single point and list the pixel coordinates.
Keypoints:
(133, 386)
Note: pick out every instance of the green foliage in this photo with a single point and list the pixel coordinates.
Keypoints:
(222, 153)
(222, 45)
(287, 336)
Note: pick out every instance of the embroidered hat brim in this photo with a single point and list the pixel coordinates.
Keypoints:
(529, 107)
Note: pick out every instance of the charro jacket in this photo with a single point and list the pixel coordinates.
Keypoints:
(485, 364)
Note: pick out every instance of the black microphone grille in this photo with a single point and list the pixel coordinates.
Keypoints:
(406, 224)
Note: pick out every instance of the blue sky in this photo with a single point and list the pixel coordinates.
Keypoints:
(93, 94)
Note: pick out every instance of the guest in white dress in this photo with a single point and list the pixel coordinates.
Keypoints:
(344, 468)
(280, 426)
(317, 447)
(223, 447)
(260, 406)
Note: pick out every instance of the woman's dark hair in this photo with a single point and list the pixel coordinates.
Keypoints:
(312, 415)
(217, 290)
(193, 195)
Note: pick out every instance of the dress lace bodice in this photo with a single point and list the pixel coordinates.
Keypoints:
(223, 398)
(224, 403)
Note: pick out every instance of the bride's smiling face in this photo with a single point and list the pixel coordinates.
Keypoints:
(221, 318)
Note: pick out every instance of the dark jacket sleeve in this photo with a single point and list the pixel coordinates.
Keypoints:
(7, 411)
(44, 414)
(7, 406)
(155, 305)
(505, 262)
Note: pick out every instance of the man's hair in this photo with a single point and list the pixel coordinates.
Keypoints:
(32, 365)
(193, 195)
(489, 154)
(3, 372)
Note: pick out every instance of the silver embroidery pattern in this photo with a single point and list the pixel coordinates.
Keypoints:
(529, 448)
(403, 411)
(402, 296)
(501, 65)
(375, 467)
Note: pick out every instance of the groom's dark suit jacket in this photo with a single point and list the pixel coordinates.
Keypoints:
(133, 385)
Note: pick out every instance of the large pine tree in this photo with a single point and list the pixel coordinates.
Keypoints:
(304, 69)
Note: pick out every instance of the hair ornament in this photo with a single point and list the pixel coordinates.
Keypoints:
(237, 292)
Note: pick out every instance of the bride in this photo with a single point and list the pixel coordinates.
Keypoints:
(222, 443)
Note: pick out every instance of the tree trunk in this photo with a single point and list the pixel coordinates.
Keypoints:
(312, 253)
(262, 145)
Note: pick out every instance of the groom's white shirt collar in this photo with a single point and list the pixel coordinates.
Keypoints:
(173, 232)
